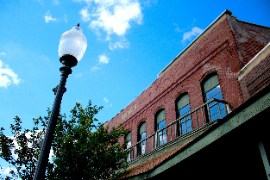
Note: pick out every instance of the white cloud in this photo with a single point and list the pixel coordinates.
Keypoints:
(119, 44)
(7, 76)
(95, 68)
(3, 54)
(176, 28)
(65, 18)
(103, 59)
(56, 2)
(107, 102)
(79, 74)
(114, 17)
(195, 31)
(85, 14)
(49, 18)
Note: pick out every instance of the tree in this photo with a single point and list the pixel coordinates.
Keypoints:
(82, 148)
(21, 150)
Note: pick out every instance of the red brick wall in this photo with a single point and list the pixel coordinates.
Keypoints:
(214, 51)
(256, 75)
(250, 38)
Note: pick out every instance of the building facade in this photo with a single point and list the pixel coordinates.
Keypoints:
(207, 114)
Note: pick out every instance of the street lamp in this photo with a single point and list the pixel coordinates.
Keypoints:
(71, 49)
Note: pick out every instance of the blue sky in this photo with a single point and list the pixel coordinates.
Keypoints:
(129, 43)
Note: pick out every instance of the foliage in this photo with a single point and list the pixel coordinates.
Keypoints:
(82, 147)
(21, 150)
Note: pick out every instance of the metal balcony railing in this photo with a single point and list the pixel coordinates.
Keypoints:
(208, 112)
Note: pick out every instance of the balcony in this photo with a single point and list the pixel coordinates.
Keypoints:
(180, 131)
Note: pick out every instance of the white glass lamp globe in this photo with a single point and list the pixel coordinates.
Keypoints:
(72, 46)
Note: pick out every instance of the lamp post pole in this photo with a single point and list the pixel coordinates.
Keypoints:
(72, 47)
(47, 142)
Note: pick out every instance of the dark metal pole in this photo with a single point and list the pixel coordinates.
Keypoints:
(47, 142)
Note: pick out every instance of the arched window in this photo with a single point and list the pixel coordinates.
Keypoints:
(160, 124)
(212, 90)
(128, 141)
(142, 139)
(183, 108)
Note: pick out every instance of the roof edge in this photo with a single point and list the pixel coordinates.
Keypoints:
(261, 55)
(226, 11)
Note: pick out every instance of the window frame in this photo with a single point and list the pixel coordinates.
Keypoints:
(161, 132)
(184, 120)
(142, 135)
(128, 140)
(215, 110)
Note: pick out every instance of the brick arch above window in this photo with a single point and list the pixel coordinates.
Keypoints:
(207, 74)
(182, 100)
(138, 123)
(160, 115)
(128, 135)
(181, 92)
(128, 139)
(156, 109)
(142, 127)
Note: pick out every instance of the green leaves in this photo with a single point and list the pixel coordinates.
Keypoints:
(82, 148)
(85, 150)
(20, 150)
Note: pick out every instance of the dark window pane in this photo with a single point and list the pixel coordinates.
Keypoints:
(161, 134)
(162, 124)
(142, 146)
(185, 121)
(184, 110)
(143, 136)
(214, 93)
(216, 110)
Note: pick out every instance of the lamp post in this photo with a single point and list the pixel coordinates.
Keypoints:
(71, 49)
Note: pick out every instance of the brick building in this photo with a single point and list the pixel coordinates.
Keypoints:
(207, 114)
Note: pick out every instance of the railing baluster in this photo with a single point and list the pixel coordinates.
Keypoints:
(220, 113)
(166, 135)
(196, 120)
(203, 116)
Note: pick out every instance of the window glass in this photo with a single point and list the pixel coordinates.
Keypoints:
(161, 133)
(142, 139)
(211, 87)
(128, 140)
(184, 110)
(185, 124)
(185, 121)
(214, 93)
(161, 124)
